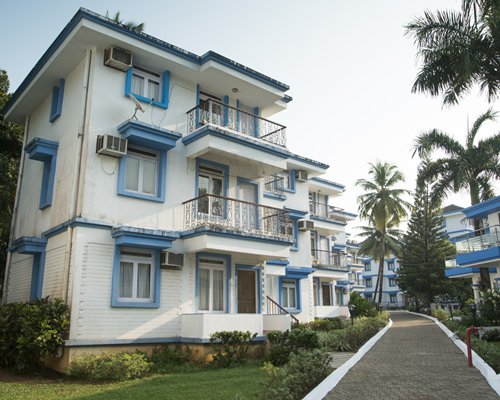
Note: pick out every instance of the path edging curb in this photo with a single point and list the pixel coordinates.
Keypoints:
(489, 373)
(334, 378)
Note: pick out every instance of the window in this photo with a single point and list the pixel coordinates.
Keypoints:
(141, 171)
(295, 233)
(45, 151)
(368, 266)
(148, 86)
(390, 265)
(211, 285)
(289, 293)
(392, 282)
(57, 101)
(393, 298)
(368, 282)
(136, 277)
(210, 182)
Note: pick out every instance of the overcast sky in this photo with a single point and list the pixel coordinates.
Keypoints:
(348, 64)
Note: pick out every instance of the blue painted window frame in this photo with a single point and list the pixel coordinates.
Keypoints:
(115, 301)
(165, 87)
(368, 266)
(56, 101)
(368, 283)
(227, 260)
(298, 304)
(45, 151)
(258, 270)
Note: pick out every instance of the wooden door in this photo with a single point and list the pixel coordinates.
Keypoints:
(247, 293)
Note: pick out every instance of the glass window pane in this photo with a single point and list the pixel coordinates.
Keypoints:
(126, 279)
(217, 186)
(285, 297)
(149, 177)
(218, 290)
(203, 289)
(291, 297)
(144, 281)
(138, 85)
(132, 173)
(154, 90)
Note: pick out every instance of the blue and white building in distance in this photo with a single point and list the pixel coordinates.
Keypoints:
(478, 252)
(158, 199)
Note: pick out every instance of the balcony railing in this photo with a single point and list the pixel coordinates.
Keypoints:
(218, 212)
(485, 238)
(274, 184)
(328, 259)
(220, 114)
(327, 212)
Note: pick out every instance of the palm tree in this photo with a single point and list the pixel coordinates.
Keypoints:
(458, 50)
(128, 24)
(383, 207)
(470, 167)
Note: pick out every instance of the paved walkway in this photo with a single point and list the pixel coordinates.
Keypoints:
(413, 360)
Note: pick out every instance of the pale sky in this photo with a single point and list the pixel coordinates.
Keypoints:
(348, 64)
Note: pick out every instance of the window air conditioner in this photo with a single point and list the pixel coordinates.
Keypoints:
(117, 58)
(171, 260)
(305, 225)
(301, 176)
(112, 146)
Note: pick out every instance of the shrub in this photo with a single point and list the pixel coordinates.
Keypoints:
(231, 347)
(440, 314)
(305, 370)
(334, 340)
(322, 325)
(109, 367)
(360, 306)
(489, 306)
(31, 331)
(489, 352)
(492, 335)
(284, 343)
(359, 333)
(169, 359)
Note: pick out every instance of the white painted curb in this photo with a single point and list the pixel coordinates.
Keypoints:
(488, 372)
(334, 378)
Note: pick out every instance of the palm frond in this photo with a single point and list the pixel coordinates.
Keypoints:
(427, 142)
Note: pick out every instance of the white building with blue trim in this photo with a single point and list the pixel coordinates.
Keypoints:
(478, 252)
(392, 295)
(169, 215)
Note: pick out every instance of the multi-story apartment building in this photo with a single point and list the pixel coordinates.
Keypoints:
(478, 252)
(158, 198)
(392, 295)
(455, 223)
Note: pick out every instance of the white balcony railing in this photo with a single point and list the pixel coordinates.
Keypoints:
(329, 259)
(222, 115)
(484, 239)
(216, 212)
(327, 212)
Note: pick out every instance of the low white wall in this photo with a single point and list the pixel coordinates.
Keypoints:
(203, 325)
(277, 323)
(326, 311)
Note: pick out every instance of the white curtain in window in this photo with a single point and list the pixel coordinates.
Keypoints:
(218, 290)
(203, 289)
(291, 299)
(144, 281)
(154, 90)
(126, 279)
(132, 174)
(148, 176)
(138, 85)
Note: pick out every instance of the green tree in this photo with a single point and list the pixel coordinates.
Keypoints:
(128, 24)
(458, 50)
(424, 249)
(471, 167)
(11, 139)
(382, 205)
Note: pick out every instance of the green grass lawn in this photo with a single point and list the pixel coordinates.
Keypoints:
(233, 383)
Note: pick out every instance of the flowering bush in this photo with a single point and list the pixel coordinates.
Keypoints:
(489, 306)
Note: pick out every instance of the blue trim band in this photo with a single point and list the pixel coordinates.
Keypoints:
(326, 182)
(483, 209)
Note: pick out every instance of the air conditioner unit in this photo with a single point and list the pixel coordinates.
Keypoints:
(117, 58)
(112, 146)
(171, 260)
(301, 176)
(305, 225)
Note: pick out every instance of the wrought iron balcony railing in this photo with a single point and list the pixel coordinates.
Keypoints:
(222, 115)
(216, 212)
(328, 259)
(484, 238)
(274, 184)
(327, 212)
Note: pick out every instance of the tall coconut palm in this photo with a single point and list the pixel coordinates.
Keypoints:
(471, 167)
(129, 24)
(458, 50)
(382, 205)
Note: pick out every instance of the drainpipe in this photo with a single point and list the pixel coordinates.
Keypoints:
(16, 206)
(76, 207)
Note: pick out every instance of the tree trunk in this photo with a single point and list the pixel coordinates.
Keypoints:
(474, 199)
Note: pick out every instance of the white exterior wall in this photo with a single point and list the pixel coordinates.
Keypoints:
(456, 225)
(19, 278)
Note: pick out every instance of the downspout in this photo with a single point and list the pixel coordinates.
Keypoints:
(78, 178)
(16, 206)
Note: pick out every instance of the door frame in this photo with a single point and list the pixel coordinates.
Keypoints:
(258, 285)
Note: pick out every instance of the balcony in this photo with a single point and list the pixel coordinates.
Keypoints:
(222, 115)
(329, 213)
(216, 212)
(329, 260)
(481, 248)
